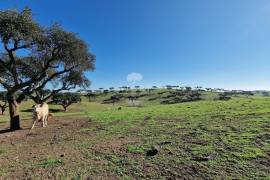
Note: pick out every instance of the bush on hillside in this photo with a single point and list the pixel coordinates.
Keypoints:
(180, 97)
(223, 97)
(113, 99)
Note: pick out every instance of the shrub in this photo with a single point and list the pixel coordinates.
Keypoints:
(113, 99)
(223, 97)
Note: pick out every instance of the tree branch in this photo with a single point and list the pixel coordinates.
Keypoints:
(12, 64)
(42, 73)
(5, 85)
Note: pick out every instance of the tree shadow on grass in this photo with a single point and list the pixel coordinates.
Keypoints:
(51, 110)
(27, 110)
(56, 110)
(5, 131)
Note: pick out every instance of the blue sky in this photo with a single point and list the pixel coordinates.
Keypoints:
(224, 43)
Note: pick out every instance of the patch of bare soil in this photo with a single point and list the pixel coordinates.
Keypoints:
(115, 145)
(55, 128)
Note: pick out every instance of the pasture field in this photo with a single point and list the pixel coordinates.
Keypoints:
(205, 139)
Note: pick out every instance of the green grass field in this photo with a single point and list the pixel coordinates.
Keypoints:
(203, 139)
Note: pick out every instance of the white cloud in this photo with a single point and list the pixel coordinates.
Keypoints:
(134, 77)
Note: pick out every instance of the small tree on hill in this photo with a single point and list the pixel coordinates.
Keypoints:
(132, 99)
(224, 96)
(91, 96)
(66, 99)
(149, 90)
(106, 91)
(188, 89)
(137, 87)
(40, 96)
(3, 102)
(168, 87)
(265, 93)
(111, 89)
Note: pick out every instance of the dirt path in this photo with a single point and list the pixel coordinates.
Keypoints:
(56, 127)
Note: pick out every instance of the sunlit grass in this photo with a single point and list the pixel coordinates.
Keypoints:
(223, 138)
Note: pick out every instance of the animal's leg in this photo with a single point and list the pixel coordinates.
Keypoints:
(43, 121)
(33, 125)
(46, 120)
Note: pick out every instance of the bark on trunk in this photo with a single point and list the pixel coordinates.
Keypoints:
(65, 108)
(14, 114)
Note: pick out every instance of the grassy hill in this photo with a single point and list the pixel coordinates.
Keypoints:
(208, 139)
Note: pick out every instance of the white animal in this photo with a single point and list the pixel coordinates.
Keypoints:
(40, 113)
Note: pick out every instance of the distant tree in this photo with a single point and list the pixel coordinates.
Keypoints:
(248, 93)
(132, 99)
(66, 99)
(91, 96)
(198, 88)
(3, 102)
(125, 88)
(265, 93)
(40, 96)
(111, 89)
(101, 89)
(138, 91)
(175, 87)
(80, 90)
(169, 87)
(128, 89)
(188, 88)
(105, 91)
(54, 56)
(149, 90)
(137, 87)
(182, 88)
(224, 96)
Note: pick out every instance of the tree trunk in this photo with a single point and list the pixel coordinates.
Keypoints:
(65, 108)
(14, 114)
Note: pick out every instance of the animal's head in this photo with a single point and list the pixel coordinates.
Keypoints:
(36, 108)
